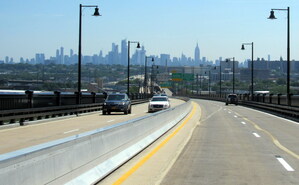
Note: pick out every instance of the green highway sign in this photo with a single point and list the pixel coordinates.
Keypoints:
(188, 77)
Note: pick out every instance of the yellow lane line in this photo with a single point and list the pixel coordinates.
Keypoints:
(274, 140)
(155, 150)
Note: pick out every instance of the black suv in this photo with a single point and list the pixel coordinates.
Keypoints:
(231, 99)
(117, 103)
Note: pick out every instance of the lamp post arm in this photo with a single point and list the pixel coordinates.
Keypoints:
(281, 9)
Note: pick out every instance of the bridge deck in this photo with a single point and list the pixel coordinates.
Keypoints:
(48, 130)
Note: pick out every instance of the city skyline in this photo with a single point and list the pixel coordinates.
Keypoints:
(115, 56)
(171, 27)
(118, 55)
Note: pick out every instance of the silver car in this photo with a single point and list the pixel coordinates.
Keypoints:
(158, 103)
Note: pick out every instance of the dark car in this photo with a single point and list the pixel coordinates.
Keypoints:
(119, 102)
(231, 99)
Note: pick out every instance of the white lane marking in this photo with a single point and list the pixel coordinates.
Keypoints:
(71, 131)
(235, 116)
(243, 123)
(111, 120)
(256, 135)
(224, 109)
(229, 112)
(284, 164)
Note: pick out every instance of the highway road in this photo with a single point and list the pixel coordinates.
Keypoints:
(218, 144)
(38, 132)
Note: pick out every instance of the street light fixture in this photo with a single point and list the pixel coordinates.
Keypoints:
(128, 83)
(243, 48)
(96, 13)
(272, 16)
(227, 60)
(145, 72)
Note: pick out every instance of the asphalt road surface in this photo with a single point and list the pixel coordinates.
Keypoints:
(39, 132)
(219, 144)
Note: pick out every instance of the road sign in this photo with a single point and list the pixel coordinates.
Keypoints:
(188, 77)
(177, 77)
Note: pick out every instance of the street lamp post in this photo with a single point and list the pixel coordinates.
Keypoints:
(153, 75)
(272, 16)
(96, 13)
(209, 85)
(243, 48)
(227, 60)
(128, 82)
(209, 82)
(200, 84)
(219, 78)
(145, 72)
(197, 84)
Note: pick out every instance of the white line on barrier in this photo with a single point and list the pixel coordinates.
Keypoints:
(284, 164)
(75, 130)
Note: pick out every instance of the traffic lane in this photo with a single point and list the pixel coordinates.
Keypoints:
(52, 129)
(277, 128)
(224, 150)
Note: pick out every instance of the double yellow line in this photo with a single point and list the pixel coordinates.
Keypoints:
(155, 150)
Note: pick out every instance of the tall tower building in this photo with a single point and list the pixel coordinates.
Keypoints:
(57, 57)
(197, 54)
(61, 55)
(71, 52)
(39, 58)
(124, 52)
(6, 59)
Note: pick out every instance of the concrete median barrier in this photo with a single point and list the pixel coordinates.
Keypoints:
(59, 161)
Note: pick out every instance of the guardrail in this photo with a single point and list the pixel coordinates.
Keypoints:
(54, 162)
(29, 105)
(275, 104)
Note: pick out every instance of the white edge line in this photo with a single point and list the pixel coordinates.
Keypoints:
(273, 116)
(285, 164)
(71, 131)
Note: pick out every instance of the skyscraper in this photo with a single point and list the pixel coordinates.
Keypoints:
(124, 52)
(71, 52)
(61, 55)
(57, 57)
(39, 58)
(196, 55)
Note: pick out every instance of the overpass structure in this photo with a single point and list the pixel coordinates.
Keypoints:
(195, 142)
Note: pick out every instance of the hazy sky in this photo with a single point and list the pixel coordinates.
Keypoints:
(162, 26)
